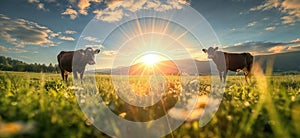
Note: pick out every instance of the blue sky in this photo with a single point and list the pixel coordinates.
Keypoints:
(35, 31)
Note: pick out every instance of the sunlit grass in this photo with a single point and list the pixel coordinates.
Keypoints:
(268, 107)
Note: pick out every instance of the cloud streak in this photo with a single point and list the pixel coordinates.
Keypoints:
(70, 32)
(291, 9)
(92, 39)
(4, 49)
(67, 38)
(71, 12)
(114, 9)
(21, 32)
(261, 48)
(109, 52)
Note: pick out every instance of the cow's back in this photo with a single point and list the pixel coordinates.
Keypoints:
(235, 61)
(65, 59)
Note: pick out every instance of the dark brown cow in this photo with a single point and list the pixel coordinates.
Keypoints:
(75, 61)
(230, 61)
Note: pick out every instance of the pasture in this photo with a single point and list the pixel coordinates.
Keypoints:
(41, 105)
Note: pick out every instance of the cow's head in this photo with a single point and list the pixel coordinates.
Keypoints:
(90, 55)
(211, 52)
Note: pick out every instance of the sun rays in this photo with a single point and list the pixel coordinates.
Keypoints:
(150, 34)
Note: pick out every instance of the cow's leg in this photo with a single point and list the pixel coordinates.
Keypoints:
(81, 76)
(220, 75)
(62, 74)
(224, 75)
(75, 75)
(247, 75)
(66, 77)
(246, 78)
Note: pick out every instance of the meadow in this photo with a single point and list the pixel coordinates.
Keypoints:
(41, 105)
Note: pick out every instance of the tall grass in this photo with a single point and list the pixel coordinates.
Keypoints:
(41, 105)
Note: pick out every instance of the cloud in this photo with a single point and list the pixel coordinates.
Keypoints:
(278, 49)
(291, 9)
(271, 28)
(269, 4)
(70, 32)
(71, 12)
(41, 7)
(83, 5)
(66, 38)
(94, 46)
(108, 15)
(109, 52)
(259, 48)
(115, 8)
(21, 32)
(92, 39)
(288, 20)
(33, 1)
(296, 40)
(251, 24)
(4, 49)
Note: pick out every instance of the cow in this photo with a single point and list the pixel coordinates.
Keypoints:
(75, 61)
(230, 61)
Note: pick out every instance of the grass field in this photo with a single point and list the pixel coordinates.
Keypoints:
(41, 105)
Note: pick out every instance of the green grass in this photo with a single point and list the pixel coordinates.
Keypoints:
(41, 105)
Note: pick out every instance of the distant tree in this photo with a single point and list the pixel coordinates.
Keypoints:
(9, 64)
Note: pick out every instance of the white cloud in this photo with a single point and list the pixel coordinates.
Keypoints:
(71, 12)
(269, 4)
(115, 8)
(291, 9)
(92, 39)
(83, 5)
(252, 24)
(33, 1)
(259, 48)
(108, 15)
(109, 52)
(296, 40)
(4, 49)
(278, 49)
(94, 46)
(70, 32)
(288, 20)
(41, 6)
(66, 38)
(271, 28)
(21, 32)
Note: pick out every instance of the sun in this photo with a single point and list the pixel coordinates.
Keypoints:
(150, 59)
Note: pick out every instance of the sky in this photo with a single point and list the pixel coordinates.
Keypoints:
(35, 31)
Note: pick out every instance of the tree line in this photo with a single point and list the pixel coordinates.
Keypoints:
(9, 64)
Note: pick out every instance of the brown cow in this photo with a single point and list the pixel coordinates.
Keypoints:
(230, 61)
(75, 61)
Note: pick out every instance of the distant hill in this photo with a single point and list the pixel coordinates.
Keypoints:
(9, 64)
(283, 63)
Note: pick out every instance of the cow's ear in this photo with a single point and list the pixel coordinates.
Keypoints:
(96, 51)
(216, 48)
(204, 50)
